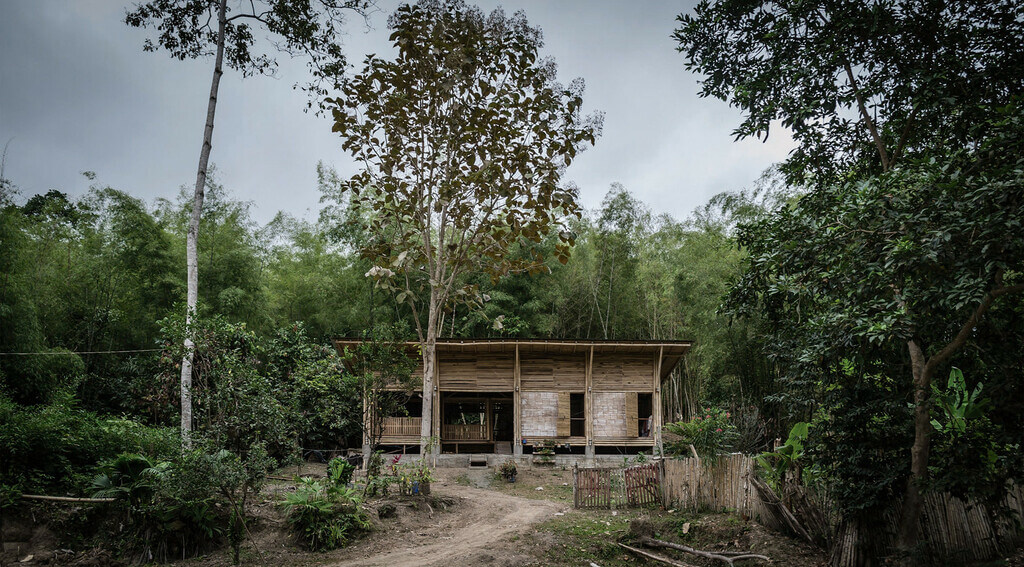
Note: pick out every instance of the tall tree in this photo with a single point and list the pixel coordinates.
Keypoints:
(307, 27)
(862, 86)
(868, 88)
(463, 139)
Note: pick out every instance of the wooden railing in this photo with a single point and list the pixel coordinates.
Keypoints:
(461, 432)
(401, 427)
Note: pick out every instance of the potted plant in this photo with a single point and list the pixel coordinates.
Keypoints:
(424, 476)
(508, 470)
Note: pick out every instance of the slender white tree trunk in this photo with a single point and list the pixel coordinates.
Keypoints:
(191, 248)
(429, 361)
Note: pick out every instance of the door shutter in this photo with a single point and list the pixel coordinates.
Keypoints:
(563, 414)
(631, 420)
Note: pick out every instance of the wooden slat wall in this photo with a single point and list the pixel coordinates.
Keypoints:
(480, 372)
(623, 372)
(631, 419)
(553, 372)
(563, 414)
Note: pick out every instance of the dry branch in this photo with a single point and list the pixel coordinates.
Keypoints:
(776, 506)
(66, 499)
(654, 556)
(650, 542)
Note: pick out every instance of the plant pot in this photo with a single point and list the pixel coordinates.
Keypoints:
(511, 478)
(425, 488)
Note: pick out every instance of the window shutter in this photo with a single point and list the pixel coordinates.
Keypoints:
(631, 419)
(563, 414)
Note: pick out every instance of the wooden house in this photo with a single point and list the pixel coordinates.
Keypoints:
(510, 396)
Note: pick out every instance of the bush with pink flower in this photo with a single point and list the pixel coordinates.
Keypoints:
(710, 433)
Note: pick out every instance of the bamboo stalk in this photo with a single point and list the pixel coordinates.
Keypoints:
(66, 499)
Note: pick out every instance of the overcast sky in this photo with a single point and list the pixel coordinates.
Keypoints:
(78, 93)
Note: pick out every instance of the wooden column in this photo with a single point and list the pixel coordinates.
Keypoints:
(656, 402)
(517, 411)
(436, 414)
(588, 401)
(516, 406)
(366, 435)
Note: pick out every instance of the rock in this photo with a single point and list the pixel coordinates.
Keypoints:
(641, 528)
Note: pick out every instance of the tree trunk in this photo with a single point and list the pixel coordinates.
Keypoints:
(429, 361)
(191, 247)
(913, 501)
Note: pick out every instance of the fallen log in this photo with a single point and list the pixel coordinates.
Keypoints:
(654, 556)
(727, 557)
(66, 499)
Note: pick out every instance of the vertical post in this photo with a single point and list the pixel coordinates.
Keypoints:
(488, 420)
(366, 435)
(588, 404)
(656, 403)
(436, 414)
(517, 418)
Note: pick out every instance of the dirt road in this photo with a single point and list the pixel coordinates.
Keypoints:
(477, 532)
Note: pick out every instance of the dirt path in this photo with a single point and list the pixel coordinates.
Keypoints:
(477, 532)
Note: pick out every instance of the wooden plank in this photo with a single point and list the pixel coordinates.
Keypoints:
(553, 372)
(656, 408)
(517, 402)
(588, 397)
(476, 372)
(631, 415)
(622, 372)
(563, 427)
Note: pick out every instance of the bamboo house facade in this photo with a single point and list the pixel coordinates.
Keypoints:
(511, 396)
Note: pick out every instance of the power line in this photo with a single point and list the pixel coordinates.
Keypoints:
(79, 352)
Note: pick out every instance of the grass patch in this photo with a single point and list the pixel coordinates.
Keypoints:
(579, 539)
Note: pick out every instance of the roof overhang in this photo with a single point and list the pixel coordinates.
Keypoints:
(671, 351)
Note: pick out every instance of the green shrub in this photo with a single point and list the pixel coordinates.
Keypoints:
(325, 516)
(131, 477)
(57, 447)
(339, 471)
(709, 434)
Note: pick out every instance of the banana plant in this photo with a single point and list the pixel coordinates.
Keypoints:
(955, 405)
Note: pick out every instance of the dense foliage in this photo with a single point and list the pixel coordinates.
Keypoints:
(904, 256)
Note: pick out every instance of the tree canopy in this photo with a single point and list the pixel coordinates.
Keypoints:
(463, 138)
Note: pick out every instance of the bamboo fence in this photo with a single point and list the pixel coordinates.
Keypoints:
(713, 484)
(956, 530)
